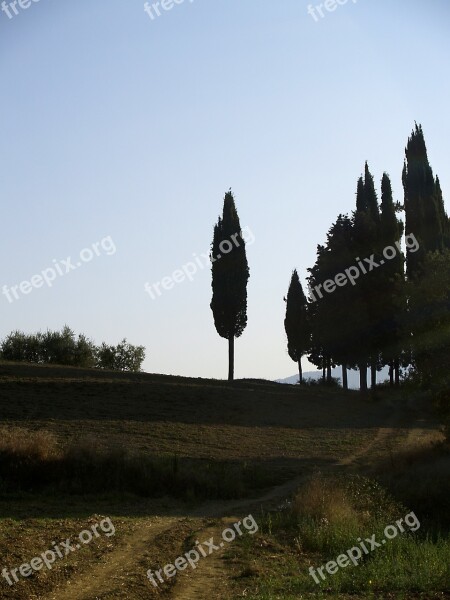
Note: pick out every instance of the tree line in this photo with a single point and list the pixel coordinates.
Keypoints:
(397, 312)
(64, 348)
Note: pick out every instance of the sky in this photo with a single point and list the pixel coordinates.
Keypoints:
(122, 130)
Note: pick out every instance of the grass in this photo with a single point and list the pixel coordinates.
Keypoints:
(33, 461)
(277, 426)
(326, 518)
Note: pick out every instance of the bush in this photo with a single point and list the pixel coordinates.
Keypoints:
(333, 383)
(22, 348)
(123, 357)
(63, 348)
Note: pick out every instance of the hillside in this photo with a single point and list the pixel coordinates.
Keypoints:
(170, 460)
(196, 418)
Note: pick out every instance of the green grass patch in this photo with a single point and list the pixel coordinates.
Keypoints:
(327, 518)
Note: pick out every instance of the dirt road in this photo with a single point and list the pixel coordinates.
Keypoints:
(122, 573)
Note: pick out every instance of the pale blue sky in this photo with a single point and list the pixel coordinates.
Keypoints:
(117, 125)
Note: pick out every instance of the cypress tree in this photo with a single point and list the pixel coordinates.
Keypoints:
(333, 332)
(392, 293)
(427, 220)
(320, 343)
(230, 274)
(371, 200)
(366, 231)
(424, 209)
(445, 223)
(296, 323)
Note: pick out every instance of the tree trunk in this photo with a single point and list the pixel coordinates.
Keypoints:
(363, 377)
(328, 370)
(344, 377)
(391, 374)
(231, 358)
(323, 371)
(300, 373)
(373, 375)
(397, 371)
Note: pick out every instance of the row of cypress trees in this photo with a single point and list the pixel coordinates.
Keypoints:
(391, 315)
(379, 320)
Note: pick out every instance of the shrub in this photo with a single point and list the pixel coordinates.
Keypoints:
(63, 348)
(334, 382)
(123, 357)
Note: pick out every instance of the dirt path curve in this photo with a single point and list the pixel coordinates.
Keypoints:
(209, 581)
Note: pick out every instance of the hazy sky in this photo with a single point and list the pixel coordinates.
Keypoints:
(127, 129)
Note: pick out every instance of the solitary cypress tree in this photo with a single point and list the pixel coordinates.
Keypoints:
(230, 274)
(296, 323)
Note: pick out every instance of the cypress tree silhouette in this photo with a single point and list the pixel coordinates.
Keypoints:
(366, 229)
(391, 291)
(296, 323)
(335, 336)
(427, 268)
(425, 215)
(230, 274)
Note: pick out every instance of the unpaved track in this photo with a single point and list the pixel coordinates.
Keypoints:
(111, 574)
(210, 580)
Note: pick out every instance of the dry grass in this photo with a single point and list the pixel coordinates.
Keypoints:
(323, 502)
(33, 461)
(35, 445)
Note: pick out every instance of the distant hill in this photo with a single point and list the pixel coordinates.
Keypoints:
(353, 377)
